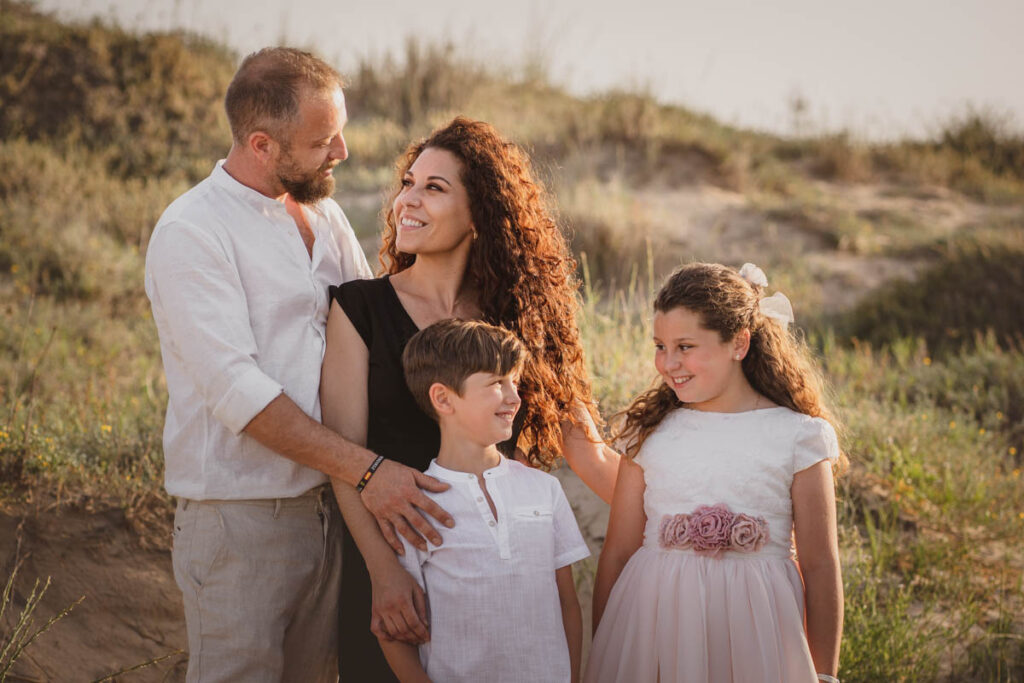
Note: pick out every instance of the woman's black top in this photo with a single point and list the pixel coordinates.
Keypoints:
(396, 429)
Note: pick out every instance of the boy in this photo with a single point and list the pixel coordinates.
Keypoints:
(501, 601)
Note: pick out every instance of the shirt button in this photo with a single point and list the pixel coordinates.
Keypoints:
(479, 499)
(491, 523)
(536, 513)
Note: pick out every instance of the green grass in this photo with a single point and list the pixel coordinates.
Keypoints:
(928, 375)
(976, 285)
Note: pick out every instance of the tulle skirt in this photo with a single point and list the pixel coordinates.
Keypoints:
(674, 616)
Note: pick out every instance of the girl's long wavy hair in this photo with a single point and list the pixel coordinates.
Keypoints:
(522, 268)
(778, 365)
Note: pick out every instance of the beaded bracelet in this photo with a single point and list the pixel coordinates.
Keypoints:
(826, 678)
(369, 473)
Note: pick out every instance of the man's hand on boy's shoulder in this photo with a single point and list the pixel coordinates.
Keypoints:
(395, 497)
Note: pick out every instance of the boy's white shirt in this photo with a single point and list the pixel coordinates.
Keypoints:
(492, 600)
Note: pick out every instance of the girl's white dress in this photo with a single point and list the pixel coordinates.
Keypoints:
(678, 616)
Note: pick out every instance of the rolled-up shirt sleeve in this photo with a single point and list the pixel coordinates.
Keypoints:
(202, 314)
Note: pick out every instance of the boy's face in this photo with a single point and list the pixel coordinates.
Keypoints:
(486, 408)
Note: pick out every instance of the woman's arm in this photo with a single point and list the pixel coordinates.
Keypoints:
(572, 619)
(590, 458)
(398, 601)
(817, 545)
(404, 660)
(625, 532)
(394, 496)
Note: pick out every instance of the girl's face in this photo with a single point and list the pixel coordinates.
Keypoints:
(432, 209)
(702, 369)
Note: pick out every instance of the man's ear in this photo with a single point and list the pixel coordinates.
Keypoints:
(440, 398)
(741, 344)
(263, 147)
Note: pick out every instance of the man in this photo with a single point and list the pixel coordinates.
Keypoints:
(237, 273)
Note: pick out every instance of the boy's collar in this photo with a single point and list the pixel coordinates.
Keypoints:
(454, 476)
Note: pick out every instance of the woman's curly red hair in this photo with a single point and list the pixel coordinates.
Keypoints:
(522, 268)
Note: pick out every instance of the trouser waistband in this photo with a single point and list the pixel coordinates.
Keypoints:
(316, 495)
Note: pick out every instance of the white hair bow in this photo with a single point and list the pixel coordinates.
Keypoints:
(777, 306)
(753, 275)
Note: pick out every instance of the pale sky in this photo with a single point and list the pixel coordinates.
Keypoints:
(881, 68)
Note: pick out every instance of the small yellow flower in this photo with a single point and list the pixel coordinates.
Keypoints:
(15, 268)
(952, 424)
(106, 428)
(981, 431)
(999, 415)
(1020, 515)
(1013, 451)
(1016, 472)
(924, 416)
(927, 360)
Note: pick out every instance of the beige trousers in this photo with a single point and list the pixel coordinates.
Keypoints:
(260, 581)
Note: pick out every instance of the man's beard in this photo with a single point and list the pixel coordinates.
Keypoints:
(310, 188)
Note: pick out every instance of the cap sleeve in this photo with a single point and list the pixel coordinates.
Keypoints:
(569, 544)
(351, 296)
(815, 441)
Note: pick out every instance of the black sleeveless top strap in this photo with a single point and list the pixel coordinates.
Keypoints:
(397, 428)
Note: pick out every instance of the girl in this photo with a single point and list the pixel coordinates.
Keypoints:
(726, 459)
(467, 235)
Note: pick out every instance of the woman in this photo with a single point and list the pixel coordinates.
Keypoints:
(467, 235)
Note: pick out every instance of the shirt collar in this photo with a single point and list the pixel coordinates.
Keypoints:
(455, 477)
(257, 199)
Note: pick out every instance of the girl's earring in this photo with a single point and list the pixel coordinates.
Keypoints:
(739, 357)
(475, 234)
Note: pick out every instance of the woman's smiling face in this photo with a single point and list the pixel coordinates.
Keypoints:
(432, 212)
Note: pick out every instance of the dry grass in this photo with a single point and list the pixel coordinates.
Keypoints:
(931, 526)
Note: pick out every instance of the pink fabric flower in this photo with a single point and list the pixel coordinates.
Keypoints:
(709, 527)
(672, 532)
(748, 534)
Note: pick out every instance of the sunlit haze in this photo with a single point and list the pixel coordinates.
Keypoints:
(879, 68)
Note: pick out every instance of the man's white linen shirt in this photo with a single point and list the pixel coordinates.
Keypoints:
(241, 310)
(492, 599)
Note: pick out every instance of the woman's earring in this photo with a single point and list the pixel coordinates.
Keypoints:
(738, 356)
(475, 234)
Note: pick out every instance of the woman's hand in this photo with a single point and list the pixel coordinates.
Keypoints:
(399, 607)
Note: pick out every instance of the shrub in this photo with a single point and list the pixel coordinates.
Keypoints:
(977, 285)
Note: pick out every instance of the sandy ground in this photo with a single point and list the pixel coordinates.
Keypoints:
(132, 609)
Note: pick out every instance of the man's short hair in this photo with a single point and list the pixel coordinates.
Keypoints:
(264, 94)
(449, 351)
